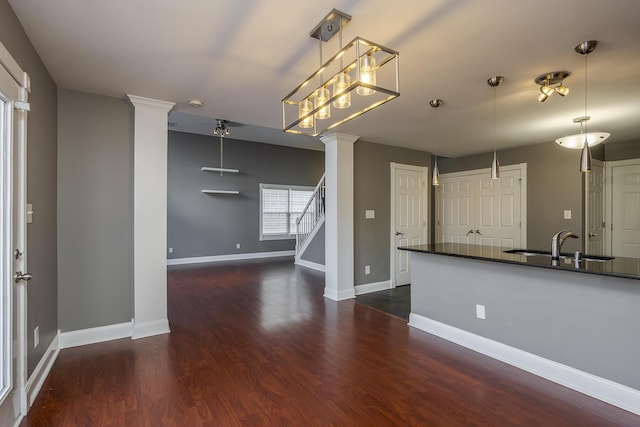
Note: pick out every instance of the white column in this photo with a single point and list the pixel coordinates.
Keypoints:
(338, 222)
(150, 216)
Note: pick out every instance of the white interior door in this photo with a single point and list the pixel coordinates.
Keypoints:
(409, 226)
(625, 211)
(12, 234)
(594, 209)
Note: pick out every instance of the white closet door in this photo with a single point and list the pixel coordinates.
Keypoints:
(457, 218)
(626, 211)
(475, 209)
(498, 219)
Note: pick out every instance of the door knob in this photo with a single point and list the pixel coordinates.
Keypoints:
(398, 233)
(22, 276)
(469, 232)
(478, 233)
(592, 235)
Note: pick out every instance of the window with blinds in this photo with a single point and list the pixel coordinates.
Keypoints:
(280, 206)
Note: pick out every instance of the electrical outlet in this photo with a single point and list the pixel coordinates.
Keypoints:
(36, 336)
(480, 312)
(170, 250)
(237, 245)
(367, 269)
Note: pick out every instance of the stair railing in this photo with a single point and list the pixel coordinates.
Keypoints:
(311, 214)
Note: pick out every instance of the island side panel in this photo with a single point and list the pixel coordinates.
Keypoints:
(589, 322)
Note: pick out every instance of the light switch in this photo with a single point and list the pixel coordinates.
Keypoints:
(567, 214)
(29, 213)
(369, 214)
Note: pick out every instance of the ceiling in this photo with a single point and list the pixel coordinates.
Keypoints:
(241, 57)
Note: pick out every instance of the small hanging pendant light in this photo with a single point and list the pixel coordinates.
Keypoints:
(585, 158)
(584, 49)
(435, 180)
(495, 165)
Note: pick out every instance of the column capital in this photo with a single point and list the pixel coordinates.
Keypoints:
(338, 137)
(140, 101)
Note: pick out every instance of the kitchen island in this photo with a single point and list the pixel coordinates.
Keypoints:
(577, 324)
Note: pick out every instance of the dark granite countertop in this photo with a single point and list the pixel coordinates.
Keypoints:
(618, 267)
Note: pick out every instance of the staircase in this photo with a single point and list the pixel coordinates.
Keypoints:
(309, 223)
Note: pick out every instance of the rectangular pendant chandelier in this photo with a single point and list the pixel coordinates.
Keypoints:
(361, 76)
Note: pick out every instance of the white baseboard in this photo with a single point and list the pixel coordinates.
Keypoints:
(148, 329)
(232, 257)
(309, 264)
(339, 295)
(608, 391)
(41, 371)
(368, 288)
(95, 335)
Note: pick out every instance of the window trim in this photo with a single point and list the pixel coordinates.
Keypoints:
(261, 236)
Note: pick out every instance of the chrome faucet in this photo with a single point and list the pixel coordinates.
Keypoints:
(557, 240)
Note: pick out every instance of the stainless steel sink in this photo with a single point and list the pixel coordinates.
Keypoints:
(531, 252)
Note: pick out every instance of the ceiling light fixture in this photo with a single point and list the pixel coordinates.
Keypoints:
(494, 82)
(547, 82)
(369, 68)
(576, 141)
(435, 180)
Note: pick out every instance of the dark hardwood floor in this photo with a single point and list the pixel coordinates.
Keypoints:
(256, 344)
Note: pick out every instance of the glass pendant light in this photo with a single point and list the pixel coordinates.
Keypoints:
(304, 107)
(341, 82)
(435, 179)
(495, 165)
(367, 74)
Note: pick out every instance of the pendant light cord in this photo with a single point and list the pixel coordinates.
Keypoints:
(221, 153)
(585, 96)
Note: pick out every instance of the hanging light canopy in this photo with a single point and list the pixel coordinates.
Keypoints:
(494, 82)
(361, 65)
(435, 180)
(552, 82)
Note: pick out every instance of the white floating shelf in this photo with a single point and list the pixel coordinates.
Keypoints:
(220, 191)
(208, 169)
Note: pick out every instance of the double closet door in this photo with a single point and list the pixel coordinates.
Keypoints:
(475, 209)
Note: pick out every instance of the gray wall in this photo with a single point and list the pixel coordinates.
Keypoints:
(554, 183)
(95, 211)
(41, 186)
(622, 150)
(315, 250)
(206, 225)
(585, 321)
(372, 190)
